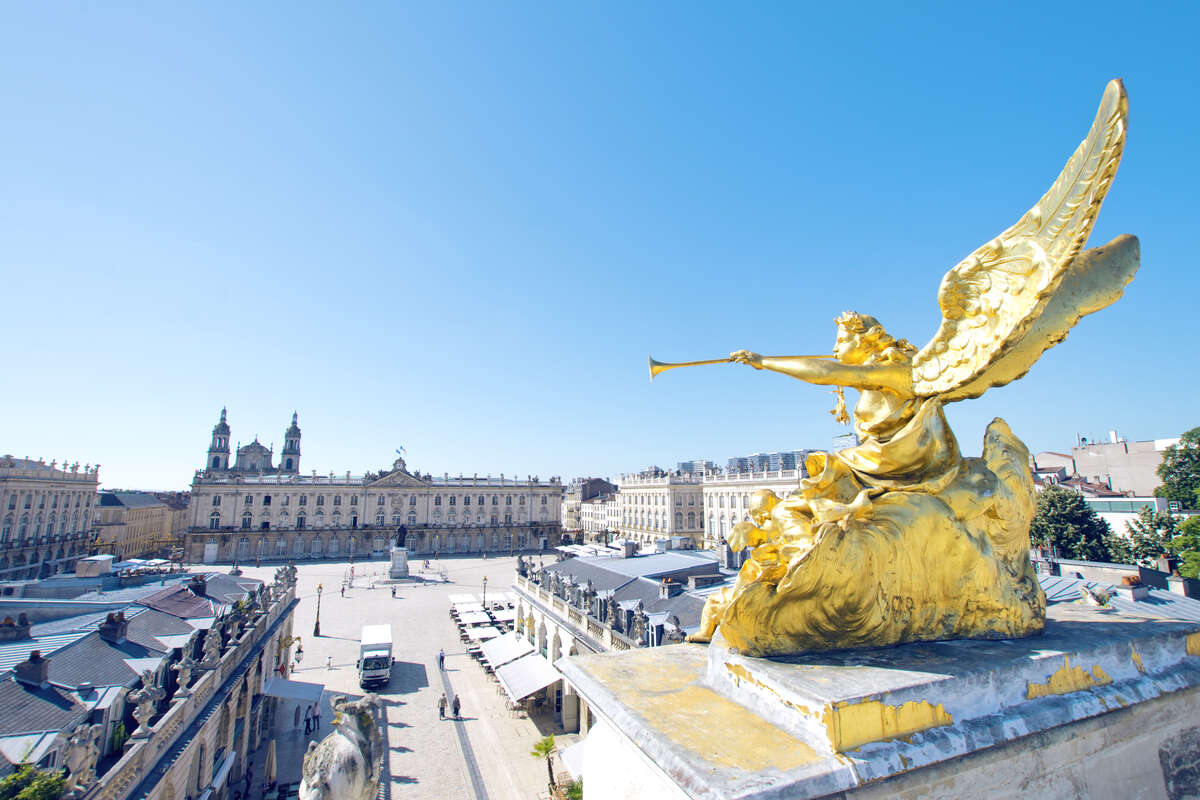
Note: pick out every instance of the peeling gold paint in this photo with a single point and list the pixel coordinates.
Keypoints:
(664, 690)
(851, 725)
(1068, 679)
(1136, 658)
(1193, 644)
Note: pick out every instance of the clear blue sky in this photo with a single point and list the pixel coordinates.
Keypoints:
(461, 228)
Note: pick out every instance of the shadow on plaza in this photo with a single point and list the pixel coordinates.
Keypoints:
(408, 677)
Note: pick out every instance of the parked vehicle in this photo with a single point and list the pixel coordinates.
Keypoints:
(375, 656)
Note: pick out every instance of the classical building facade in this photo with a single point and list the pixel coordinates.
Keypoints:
(47, 515)
(656, 504)
(599, 516)
(133, 524)
(254, 510)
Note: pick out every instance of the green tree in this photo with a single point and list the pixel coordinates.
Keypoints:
(1187, 546)
(574, 790)
(544, 748)
(1151, 535)
(1180, 471)
(1064, 521)
(30, 783)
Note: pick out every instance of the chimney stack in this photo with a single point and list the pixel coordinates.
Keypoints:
(114, 627)
(35, 671)
(15, 631)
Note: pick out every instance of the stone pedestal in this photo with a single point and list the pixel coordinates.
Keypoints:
(1102, 705)
(399, 568)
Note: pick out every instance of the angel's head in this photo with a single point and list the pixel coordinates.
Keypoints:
(862, 340)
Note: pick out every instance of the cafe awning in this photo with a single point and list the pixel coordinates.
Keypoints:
(526, 675)
(475, 618)
(572, 759)
(506, 648)
(482, 633)
(293, 690)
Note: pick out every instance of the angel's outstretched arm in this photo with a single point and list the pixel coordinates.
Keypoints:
(830, 372)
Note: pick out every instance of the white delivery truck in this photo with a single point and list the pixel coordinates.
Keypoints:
(375, 655)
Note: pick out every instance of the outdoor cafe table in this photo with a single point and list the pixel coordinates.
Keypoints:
(482, 633)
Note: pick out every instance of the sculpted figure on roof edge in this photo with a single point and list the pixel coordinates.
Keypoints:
(901, 538)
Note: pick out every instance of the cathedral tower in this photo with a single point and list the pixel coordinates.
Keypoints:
(218, 451)
(289, 459)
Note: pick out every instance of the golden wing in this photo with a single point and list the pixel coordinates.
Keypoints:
(990, 299)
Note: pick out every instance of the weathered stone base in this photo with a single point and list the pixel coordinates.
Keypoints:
(1102, 705)
(399, 567)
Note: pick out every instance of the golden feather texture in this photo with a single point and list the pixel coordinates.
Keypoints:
(991, 298)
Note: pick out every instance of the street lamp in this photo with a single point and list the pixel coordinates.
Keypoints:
(317, 624)
(299, 651)
(485, 592)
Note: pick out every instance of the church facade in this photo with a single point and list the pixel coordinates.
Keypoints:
(256, 509)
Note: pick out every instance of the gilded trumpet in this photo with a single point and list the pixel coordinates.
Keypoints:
(662, 366)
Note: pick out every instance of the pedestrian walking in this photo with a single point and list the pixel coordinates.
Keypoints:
(456, 706)
(316, 716)
(442, 706)
(441, 659)
(393, 592)
(307, 720)
(343, 590)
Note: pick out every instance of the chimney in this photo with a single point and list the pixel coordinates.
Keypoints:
(197, 585)
(628, 549)
(35, 671)
(114, 627)
(15, 631)
(669, 588)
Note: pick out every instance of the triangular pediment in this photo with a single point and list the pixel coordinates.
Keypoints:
(399, 478)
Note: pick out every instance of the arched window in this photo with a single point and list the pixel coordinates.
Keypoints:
(333, 547)
(287, 465)
(217, 463)
(412, 518)
(246, 520)
(300, 521)
(316, 547)
(395, 520)
(281, 546)
(452, 517)
(691, 520)
(437, 518)
(508, 518)
(380, 519)
(299, 547)
(319, 519)
(7, 529)
(479, 518)
(337, 519)
(678, 520)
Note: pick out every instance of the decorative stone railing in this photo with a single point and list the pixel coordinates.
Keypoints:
(143, 755)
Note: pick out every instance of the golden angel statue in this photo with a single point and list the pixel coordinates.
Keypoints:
(901, 538)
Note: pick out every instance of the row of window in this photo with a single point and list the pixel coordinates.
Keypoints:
(214, 519)
(654, 522)
(82, 499)
(657, 499)
(337, 500)
(41, 526)
(316, 548)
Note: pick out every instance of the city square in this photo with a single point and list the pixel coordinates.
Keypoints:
(486, 754)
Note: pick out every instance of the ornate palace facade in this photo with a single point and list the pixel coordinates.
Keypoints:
(46, 516)
(254, 510)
